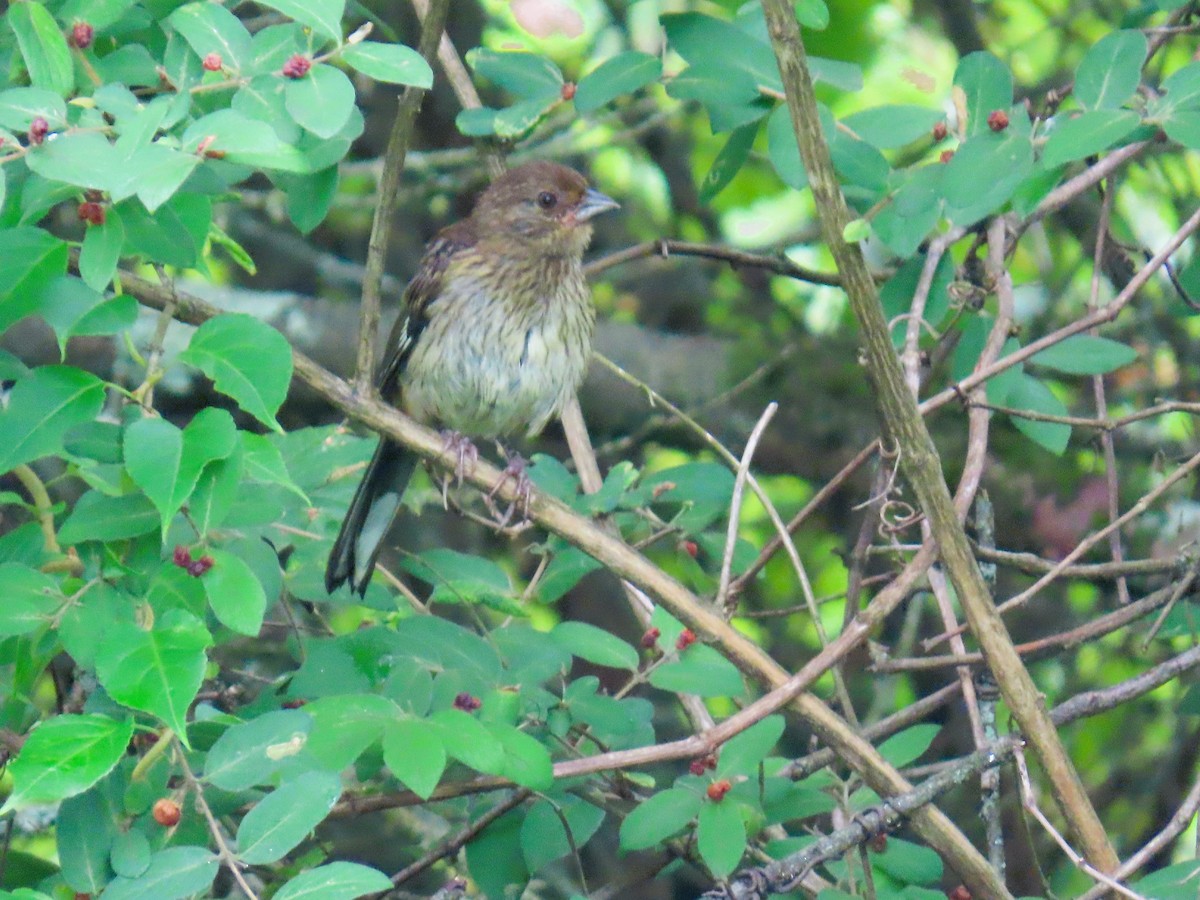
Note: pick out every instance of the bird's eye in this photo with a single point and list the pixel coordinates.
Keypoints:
(547, 200)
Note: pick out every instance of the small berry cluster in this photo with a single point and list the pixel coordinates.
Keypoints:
(297, 66)
(194, 567)
(82, 35)
(467, 703)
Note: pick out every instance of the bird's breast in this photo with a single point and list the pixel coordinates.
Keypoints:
(500, 355)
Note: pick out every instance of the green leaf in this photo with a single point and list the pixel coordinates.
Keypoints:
(166, 462)
(43, 47)
(20, 106)
(415, 754)
(283, 818)
(468, 741)
(1085, 354)
(909, 863)
(247, 360)
(1111, 70)
(622, 74)
(173, 874)
(812, 14)
(728, 162)
(1181, 89)
(742, 753)
(234, 593)
(84, 832)
(162, 170)
(461, 578)
(42, 408)
(889, 127)
(695, 37)
(72, 308)
(909, 745)
(1087, 134)
(782, 149)
(84, 159)
(159, 671)
(660, 817)
(334, 881)
(101, 251)
(984, 173)
(1184, 128)
(526, 760)
(130, 855)
(211, 28)
(32, 259)
(1029, 393)
(526, 75)
(514, 121)
(700, 670)
(721, 836)
(97, 517)
(321, 101)
(323, 16)
(249, 753)
(544, 837)
(987, 85)
(390, 63)
(694, 494)
(477, 122)
(30, 599)
(344, 726)
(64, 756)
(309, 197)
(595, 645)
(263, 462)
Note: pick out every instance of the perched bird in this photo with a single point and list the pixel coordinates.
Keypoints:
(494, 335)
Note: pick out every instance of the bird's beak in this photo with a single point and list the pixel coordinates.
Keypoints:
(594, 203)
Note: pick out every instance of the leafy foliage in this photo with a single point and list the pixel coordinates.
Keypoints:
(154, 547)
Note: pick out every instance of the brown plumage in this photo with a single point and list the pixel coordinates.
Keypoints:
(493, 337)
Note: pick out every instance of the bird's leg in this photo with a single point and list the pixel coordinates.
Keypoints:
(522, 486)
(466, 456)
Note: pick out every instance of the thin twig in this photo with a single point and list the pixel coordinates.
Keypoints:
(735, 505)
(779, 265)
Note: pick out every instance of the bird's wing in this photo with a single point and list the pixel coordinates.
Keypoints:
(419, 297)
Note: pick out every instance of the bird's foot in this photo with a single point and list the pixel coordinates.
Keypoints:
(522, 488)
(466, 456)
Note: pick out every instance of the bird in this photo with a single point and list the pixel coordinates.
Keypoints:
(493, 337)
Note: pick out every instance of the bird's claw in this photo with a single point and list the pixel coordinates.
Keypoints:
(522, 488)
(466, 455)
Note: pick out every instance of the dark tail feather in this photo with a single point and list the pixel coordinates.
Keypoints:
(371, 513)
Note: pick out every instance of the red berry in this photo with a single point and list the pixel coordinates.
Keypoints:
(182, 557)
(946, 156)
(297, 66)
(650, 638)
(997, 120)
(212, 62)
(198, 567)
(91, 212)
(467, 703)
(568, 90)
(697, 766)
(878, 843)
(82, 34)
(294, 703)
(690, 548)
(959, 893)
(940, 131)
(166, 812)
(686, 638)
(718, 789)
(38, 129)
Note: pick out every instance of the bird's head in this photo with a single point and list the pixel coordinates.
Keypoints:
(543, 206)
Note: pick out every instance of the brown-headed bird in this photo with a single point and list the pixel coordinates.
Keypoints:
(494, 335)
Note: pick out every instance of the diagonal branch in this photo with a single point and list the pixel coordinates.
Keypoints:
(918, 455)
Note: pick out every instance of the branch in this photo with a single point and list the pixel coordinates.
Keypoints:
(918, 455)
(780, 265)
